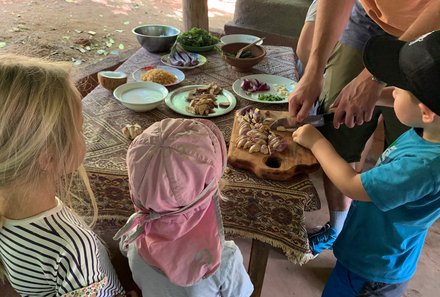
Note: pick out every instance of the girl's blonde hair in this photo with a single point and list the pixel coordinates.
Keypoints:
(39, 111)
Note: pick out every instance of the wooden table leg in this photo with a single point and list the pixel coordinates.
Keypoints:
(257, 265)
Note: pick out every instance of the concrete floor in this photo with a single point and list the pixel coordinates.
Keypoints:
(285, 279)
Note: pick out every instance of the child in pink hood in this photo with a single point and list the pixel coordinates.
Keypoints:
(174, 241)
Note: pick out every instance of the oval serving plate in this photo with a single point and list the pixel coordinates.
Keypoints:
(176, 100)
(273, 81)
(202, 60)
(180, 76)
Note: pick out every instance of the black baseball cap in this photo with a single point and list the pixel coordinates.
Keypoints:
(413, 66)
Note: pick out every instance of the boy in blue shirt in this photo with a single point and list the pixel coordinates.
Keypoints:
(399, 199)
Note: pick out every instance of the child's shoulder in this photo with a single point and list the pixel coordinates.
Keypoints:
(60, 225)
(230, 248)
(59, 215)
(231, 255)
(40, 218)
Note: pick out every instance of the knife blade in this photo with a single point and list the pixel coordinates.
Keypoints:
(291, 124)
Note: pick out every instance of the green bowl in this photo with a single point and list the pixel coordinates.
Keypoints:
(198, 49)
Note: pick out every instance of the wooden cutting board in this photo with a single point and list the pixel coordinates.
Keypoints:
(278, 166)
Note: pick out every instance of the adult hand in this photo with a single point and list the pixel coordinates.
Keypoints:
(355, 103)
(307, 136)
(304, 96)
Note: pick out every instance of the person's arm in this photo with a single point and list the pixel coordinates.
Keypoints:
(345, 178)
(356, 101)
(305, 41)
(328, 28)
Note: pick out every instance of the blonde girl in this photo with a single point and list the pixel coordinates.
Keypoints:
(45, 249)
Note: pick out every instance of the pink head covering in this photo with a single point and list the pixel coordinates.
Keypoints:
(174, 168)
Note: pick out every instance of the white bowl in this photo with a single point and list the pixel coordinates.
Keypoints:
(244, 38)
(140, 96)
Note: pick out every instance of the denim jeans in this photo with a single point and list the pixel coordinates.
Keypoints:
(344, 283)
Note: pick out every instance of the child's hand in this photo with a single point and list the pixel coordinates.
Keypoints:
(307, 135)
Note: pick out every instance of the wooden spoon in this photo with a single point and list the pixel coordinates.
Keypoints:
(240, 51)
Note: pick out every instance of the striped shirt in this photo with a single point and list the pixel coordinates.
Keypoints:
(53, 253)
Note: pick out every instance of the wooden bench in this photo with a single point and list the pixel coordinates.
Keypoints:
(280, 21)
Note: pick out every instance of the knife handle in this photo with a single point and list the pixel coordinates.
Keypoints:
(328, 117)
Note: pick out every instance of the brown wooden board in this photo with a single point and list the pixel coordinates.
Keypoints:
(278, 166)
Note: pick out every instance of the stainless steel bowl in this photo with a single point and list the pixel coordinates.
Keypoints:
(156, 38)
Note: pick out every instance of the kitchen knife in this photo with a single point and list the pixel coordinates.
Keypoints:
(291, 124)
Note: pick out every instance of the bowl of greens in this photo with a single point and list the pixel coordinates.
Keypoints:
(197, 40)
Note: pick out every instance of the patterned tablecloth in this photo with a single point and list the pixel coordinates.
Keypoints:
(270, 211)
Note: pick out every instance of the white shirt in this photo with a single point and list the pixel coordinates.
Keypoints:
(230, 279)
(54, 253)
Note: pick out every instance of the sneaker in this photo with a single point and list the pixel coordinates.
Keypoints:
(323, 239)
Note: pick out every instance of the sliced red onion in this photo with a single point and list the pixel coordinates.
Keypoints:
(254, 86)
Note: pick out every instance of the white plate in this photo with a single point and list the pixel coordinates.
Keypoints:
(140, 96)
(180, 76)
(245, 38)
(202, 60)
(272, 80)
(176, 100)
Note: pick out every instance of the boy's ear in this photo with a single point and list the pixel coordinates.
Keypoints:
(428, 115)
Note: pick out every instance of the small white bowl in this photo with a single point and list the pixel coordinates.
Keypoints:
(140, 96)
(244, 38)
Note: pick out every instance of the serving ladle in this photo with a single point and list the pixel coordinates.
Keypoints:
(240, 51)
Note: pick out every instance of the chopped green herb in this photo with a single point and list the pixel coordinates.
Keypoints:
(269, 97)
(246, 54)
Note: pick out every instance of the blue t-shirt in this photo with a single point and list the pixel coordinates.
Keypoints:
(382, 240)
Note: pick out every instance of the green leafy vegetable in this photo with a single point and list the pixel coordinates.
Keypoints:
(268, 97)
(197, 37)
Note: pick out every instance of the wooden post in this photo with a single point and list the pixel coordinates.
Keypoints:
(195, 14)
(257, 265)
